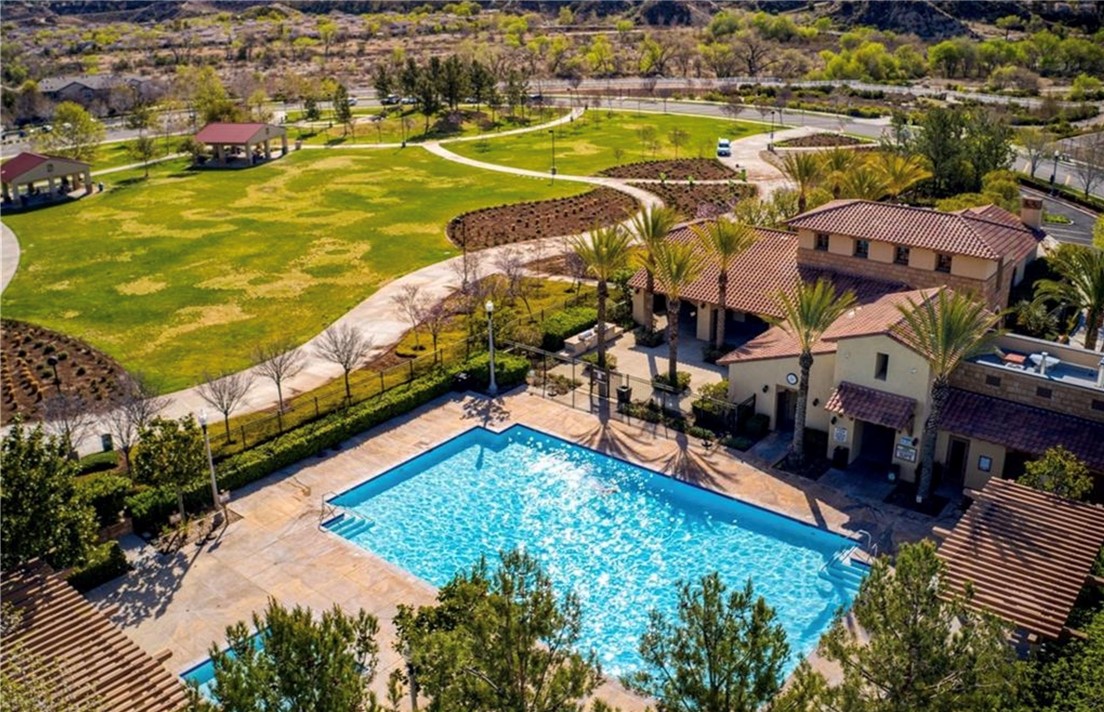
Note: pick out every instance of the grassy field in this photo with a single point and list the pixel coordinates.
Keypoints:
(118, 153)
(390, 129)
(600, 140)
(188, 271)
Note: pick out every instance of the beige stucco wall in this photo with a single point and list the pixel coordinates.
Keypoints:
(973, 267)
(881, 252)
(747, 379)
(704, 312)
(974, 477)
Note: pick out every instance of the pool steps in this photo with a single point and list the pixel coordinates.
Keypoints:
(349, 526)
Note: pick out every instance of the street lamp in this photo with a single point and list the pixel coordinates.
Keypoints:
(492, 387)
(1054, 173)
(210, 462)
(552, 132)
(771, 144)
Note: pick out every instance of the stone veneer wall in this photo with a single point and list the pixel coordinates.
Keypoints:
(1021, 388)
(996, 295)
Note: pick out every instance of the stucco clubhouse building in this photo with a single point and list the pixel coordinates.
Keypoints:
(869, 392)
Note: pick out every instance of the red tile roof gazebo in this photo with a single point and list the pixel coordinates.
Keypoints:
(252, 139)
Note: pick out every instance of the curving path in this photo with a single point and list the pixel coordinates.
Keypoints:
(377, 316)
(9, 256)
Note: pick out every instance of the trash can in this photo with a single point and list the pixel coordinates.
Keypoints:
(840, 457)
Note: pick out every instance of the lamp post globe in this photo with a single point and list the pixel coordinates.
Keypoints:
(210, 463)
(492, 386)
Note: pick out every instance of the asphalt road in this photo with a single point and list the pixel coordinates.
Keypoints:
(1079, 231)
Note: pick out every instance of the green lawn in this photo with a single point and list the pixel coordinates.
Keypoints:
(599, 140)
(115, 154)
(390, 129)
(188, 271)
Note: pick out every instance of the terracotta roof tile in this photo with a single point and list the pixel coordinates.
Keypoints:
(772, 343)
(872, 405)
(989, 233)
(1026, 554)
(1022, 427)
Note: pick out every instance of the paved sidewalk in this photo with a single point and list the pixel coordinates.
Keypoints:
(9, 255)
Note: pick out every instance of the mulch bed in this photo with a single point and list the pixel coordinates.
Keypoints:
(27, 378)
(819, 140)
(702, 201)
(519, 222)
(681, 169)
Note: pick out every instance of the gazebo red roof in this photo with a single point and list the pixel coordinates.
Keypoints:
(226, 133)
(26, 161)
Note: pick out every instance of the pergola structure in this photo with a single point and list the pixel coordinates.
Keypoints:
(244, 144)
(1027, 555)
(58, 644)
(23, 177)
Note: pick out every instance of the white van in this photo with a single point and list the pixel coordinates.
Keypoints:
(724, 148)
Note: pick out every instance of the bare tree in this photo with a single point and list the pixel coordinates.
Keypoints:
(1088, 163)
(137, 407)
(435, 318)
(512, 267)
(225, 392)
(753, 51)
(346, 346)
(67, 417)
(409, 302)
(279, 362)
(1036, 143)
(468, 269)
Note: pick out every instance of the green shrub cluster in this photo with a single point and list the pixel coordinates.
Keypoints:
(738, 443)
(591, 359)
(682, 385)
(565, 324)
(107, 494)
(106, 562)
(99, 462)
(153, 506)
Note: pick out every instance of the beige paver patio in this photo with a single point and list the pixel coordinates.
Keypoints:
(183, 602)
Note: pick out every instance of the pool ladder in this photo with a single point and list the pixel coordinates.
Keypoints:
(844, 555)
(328, 511)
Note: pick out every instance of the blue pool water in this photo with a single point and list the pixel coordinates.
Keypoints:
(618, 535)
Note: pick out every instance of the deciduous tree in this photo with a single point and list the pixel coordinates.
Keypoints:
(170, 454)
(347, 346)
(137, 406)
(224, 392)
(1060, 472)
(278, 362)
(75, 134)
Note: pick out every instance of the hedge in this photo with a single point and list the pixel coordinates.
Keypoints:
(106, 562)
(565, 324)
(107, 494)
(153, 506)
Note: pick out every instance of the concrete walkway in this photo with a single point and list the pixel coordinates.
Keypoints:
(9, 255)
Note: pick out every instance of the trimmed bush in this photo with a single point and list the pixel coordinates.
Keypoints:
(151, 507)
(683, 381)
(648, 337)
(565, 324)
(107, 494)
(738, 443)
(99, 462)
(592, 360)
(106, 562)
(696, 431)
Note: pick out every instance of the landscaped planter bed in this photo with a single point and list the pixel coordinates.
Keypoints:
(520, 222)
(27, 376)
(681, 169)
(820, 140)
(702, 200)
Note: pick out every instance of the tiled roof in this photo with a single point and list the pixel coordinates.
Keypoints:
(80, 651)
(871, 405)
(25, 161)
(92, 81)
(1025, 553)
(989, 233)
(228, 133)
(1022, 427)
(760, 272)
(869, 317)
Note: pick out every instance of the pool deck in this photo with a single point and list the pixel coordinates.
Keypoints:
(275, 547)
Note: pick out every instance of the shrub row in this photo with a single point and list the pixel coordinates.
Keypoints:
(107, 494)
(106, 562)
(565, 324)
(153, 506)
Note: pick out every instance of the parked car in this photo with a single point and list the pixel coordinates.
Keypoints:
(390, 100)
(351, 101)
(724, 148)
(409, 100)
(536, 98)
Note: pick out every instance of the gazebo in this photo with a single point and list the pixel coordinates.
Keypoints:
(1027, 555)
(32, 178)
(242, 144)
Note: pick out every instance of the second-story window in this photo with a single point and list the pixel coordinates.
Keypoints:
(881, 366)
(862, 248)
(821, 241)
(901, 256)
(942, 262)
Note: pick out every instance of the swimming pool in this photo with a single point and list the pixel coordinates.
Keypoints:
(618, 535)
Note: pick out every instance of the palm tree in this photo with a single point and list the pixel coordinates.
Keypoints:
(806, 171)
(945, 330)
(863, 182)
(604, 253)
(807, 312)
(723, 241)
(650, 228)
(836, 164)
(1081, 285)
(677, 264)
(901, 172)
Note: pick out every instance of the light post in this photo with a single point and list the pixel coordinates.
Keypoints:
(492, 387)
(210, 462)
(770, 144)
(552, 132)
(1054, 174)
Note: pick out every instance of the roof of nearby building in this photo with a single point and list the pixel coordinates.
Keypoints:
(760, 272)
(26, 161)
(989, 232)
(229, 133)
(92, 81)
(871, 405)
(1022, 427)
(1026, 553)
(76, 650)
(869, 317)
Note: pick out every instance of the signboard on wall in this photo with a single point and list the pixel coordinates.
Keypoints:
(907, 453)
(840, 434)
